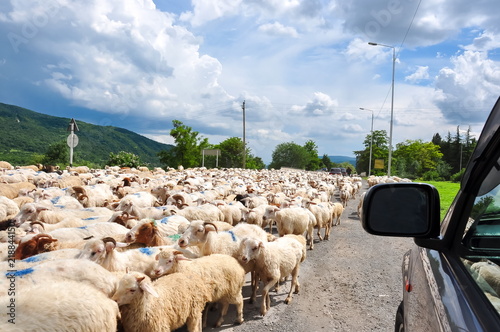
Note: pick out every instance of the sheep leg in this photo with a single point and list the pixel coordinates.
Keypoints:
(319, 234)
(266, 299)
(223, 312)
(294, 285)
(254, 283)
(194, 322)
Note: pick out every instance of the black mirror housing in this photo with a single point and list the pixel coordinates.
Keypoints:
(403, 209)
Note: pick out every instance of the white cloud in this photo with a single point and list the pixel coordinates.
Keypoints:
(468, 90)
(422, 73)
(278, 29)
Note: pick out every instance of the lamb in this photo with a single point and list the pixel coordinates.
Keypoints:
(61, 306)
(226, 272)
(273, 261)
(154, 233)
(165, 305)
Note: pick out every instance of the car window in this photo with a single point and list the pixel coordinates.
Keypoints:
(481, 238)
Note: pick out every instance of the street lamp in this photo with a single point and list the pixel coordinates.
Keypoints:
(371, 142)
(392, 102)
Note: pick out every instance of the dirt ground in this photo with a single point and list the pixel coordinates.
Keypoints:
(350, 283)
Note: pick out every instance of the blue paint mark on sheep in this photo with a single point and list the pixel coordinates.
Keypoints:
(233, 236)
(165, 220)
(55, 200)
(34, 259)
(91, 218)
(82, 227)
(147, 251)
(20, 273)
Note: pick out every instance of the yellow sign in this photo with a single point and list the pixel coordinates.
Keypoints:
(379, 163)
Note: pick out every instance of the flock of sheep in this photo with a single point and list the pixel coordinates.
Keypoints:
(151, 250)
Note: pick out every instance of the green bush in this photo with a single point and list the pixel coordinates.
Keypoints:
(457, 177)
(124, 159)
(432, 176)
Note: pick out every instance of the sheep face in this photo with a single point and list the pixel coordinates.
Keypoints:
(249, 249)
(131, 286)
(196, 233)
(165, 262)
(94, 250)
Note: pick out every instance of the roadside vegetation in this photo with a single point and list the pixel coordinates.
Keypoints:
(447, 192)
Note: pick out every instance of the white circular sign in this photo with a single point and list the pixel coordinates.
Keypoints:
(72, 140)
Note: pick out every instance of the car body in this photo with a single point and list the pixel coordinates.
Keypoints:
(450, 274)
(335, 171)
(343, 171)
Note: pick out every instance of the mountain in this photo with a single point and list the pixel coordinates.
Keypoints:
(341, 159)
(25, 133)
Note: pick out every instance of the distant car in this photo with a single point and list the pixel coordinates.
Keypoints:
(335, 170)
(343, 171)
(451, 276)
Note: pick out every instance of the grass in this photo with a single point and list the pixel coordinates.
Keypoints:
(447, 192)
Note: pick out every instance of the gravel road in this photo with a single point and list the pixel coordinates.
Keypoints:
(350, 283)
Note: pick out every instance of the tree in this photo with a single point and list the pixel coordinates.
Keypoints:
(187, 149)
(289, 155)
(327, 162)
(314, 162)
(231, 152)
(124, 159)
(413, 158)
(380, 150)
(57, 153)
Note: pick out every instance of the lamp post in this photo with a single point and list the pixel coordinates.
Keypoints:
(371, 142)
(392, 102)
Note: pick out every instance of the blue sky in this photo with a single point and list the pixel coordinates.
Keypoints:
(303, 67)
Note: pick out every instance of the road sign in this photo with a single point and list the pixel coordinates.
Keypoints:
(72, 140)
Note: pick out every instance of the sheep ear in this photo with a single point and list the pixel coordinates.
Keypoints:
(180, 257)
(147, 287)
(157, 257)
(122, 244)
(110, 246)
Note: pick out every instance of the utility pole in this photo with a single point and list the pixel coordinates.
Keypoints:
(244, 142)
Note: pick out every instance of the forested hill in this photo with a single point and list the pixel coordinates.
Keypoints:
(24, 133)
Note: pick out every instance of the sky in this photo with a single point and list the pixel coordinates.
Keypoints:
(304, 68)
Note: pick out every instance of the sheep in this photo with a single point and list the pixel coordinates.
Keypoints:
(40, 212)
(143, 260)
(489, 272)
(8, 210)
(205, 212)
(6, 165)
(273, 261)
(164, 305)
(123, 218)
(232, 212)
(141, 199)
(337, 210)
(80, 270)
(61, 306)
(323, 215)
(154, 233)
(226, 272)
(295, 220)
(99, 230)
(67, 181)
(93, 196)
(260, 216)
(11, 190)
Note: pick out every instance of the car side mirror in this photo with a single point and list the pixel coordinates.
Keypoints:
(402, 209)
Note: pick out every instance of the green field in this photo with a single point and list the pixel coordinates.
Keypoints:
(447, 192)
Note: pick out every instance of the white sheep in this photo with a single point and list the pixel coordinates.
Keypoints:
(164, 305)
(273, 261)
(80, 270)
(337, 210)
(61, 306)
(295, 220)
(226, 272)
(205, 212)
(323, 215)
(8, 208)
